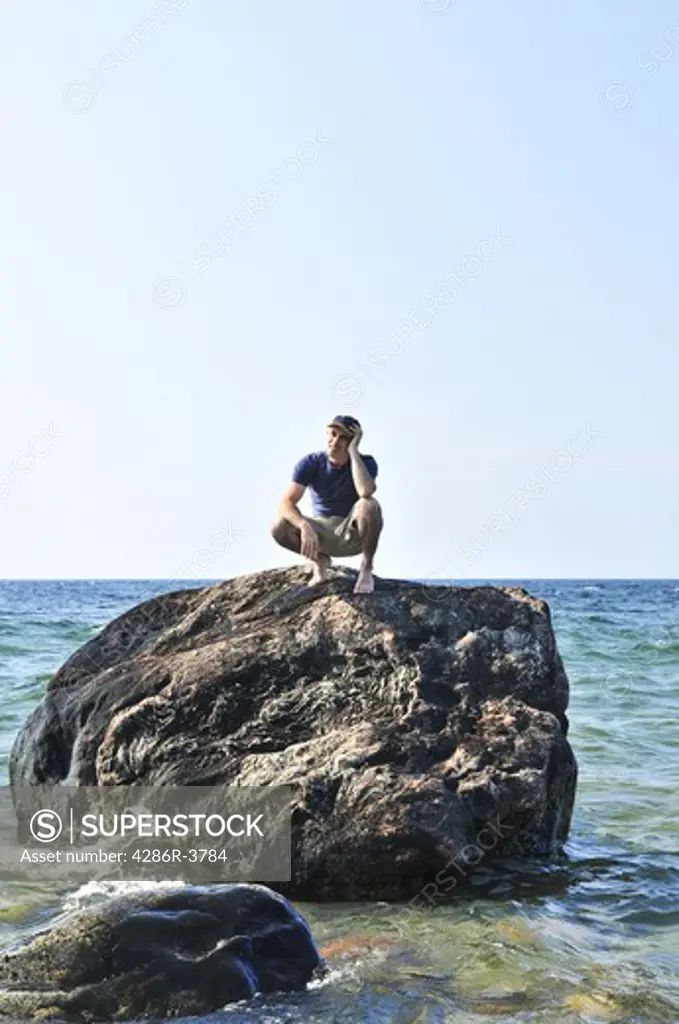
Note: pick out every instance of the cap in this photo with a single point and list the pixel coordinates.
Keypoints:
(347, 424)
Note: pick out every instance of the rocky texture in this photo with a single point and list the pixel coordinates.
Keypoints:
(408, 721)
(159, 954)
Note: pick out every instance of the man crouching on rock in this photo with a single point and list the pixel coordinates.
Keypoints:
(347, 520)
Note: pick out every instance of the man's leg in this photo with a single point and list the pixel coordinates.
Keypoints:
(288, 536)
(367, 515)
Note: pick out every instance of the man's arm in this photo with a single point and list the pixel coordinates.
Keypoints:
(363, 482)
(288, 510)
(289, 502)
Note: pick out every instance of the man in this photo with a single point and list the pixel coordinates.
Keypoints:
(347, 520)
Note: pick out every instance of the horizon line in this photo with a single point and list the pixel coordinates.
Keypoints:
(413, 579)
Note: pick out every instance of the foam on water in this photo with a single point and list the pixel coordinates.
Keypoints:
(92, 893)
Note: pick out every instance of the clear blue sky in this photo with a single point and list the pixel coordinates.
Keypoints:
(184, 418)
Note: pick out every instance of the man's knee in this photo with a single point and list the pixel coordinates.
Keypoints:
(368, 508)
(280, 530)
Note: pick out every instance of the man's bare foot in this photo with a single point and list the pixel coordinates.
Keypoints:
(365, 583)
(320, 570)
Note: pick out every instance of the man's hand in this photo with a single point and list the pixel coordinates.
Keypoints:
(363, 482)
(355, 441)
(309, 541)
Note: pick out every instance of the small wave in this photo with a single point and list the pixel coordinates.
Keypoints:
(656, 647)
(50, 623)
(92, 893)
(348, 979)
(13, 649)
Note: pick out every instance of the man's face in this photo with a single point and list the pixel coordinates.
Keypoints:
(336, 444)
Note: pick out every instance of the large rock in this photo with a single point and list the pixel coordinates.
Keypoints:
(409, 722)
(160, 954)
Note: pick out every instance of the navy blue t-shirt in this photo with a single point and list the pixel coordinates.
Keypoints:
(332, 487)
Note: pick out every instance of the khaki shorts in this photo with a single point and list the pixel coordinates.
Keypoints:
(339, 536)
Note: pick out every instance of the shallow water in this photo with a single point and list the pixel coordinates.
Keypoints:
(592, 938)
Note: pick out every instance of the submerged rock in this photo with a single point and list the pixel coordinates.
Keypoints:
(160, 954)
(411, 722)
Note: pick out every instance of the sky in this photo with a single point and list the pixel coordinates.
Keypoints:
(222, 224)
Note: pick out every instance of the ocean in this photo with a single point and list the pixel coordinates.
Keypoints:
(593, 937)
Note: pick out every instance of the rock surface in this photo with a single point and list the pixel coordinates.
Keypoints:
(159, 954)
(409, 721)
